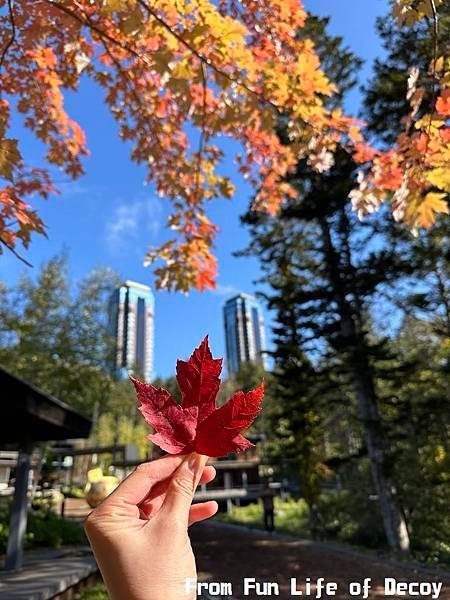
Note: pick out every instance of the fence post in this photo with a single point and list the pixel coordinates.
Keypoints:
(19, 509)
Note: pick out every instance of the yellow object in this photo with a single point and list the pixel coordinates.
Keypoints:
(99, 486)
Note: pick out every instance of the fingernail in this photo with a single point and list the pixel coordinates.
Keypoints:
(195, 463)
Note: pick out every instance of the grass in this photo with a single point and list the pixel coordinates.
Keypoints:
(291, 516)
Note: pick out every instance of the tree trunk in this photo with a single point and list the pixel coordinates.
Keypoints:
(357, 357)
(393, 519)
(313, 521)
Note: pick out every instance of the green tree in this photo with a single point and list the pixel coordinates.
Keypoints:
(320, 289)
(338, 269)
(334, 279)
(416, 409)
(120, 421)
(56, 337)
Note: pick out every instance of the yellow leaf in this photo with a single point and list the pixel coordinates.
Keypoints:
(182, 70)
(162, 60)
(421, 212)
(440, 177)
(226, 188)
(111, 6)
(133, 24)
(9, 157)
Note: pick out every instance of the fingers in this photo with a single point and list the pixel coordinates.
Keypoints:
(151, 505)
(202, 511)
(208, 474)
(180, 492)
(137, 486)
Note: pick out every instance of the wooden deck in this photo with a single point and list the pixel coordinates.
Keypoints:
(48, 573)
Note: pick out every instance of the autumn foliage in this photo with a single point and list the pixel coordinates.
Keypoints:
(415, 173)
(233, 68)
(197, 425)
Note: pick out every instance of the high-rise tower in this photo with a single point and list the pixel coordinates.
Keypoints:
(244, 332)
(131, 317)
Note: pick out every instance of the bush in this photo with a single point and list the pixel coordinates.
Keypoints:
(44, 528)
(346, 516)
(48, 529)
(97, 592)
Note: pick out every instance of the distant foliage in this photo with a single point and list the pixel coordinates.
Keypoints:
(54, 335)
(224, 69)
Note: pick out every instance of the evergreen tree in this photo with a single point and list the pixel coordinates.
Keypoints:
(416, 406)
(337, 266)
(336, 271)
(319, 295)
(298, 388)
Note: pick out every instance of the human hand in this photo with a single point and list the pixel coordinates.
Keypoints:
(139, 532)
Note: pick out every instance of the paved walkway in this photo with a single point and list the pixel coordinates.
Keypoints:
(46, 573)
(230, 553)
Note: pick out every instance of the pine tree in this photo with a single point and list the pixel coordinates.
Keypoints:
(335, 275)
(342, 267)
(416, 405)
(319, 294)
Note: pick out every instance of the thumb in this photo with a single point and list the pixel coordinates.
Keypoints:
(181, 490)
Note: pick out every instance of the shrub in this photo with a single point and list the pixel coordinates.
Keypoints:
(96, 592)
(44, 528)
(346, 516)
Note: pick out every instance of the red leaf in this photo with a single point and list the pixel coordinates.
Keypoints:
(199, 379)
(198, 425)
(218, 434)
(174, 426)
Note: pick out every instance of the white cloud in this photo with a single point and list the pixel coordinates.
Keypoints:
(132, 220)
(225, 290)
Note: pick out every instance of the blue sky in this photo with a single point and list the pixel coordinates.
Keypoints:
(109, 218)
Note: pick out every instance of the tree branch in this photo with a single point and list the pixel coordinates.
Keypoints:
(16, 254)
(13, 34)
(206, 61)
(130, 85)
(150, 11)
(97, 30)
(433, 80)
(201, 143)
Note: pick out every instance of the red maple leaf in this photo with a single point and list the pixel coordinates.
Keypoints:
(198, 425)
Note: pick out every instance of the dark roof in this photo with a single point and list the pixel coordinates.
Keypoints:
(28, 414)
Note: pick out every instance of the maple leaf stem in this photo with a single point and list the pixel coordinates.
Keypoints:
(12, 39)
(16, 254)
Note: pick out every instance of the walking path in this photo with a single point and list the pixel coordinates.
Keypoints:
(230, 553)
(227, 553)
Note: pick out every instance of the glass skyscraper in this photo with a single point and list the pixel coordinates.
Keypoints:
(131, 318)
(244, 332)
